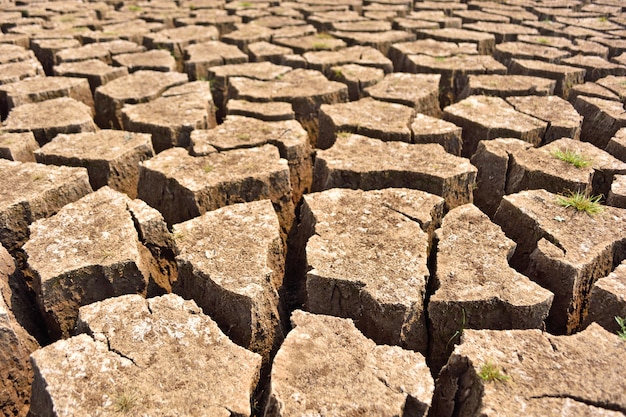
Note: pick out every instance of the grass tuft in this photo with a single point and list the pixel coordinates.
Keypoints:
(490, 373)
(621, 322)
(581, 202)
(571, 157)
(125, 402)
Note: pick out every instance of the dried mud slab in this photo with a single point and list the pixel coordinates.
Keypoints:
(15, 71)
(111, 157)
(306, 90)
(399, 53)
(265, 51)
(31, 192)
(231, 263)
(153, 60)
(602, 119)
(502, 372)
(563, 119)
(366, 56)
(139, 87)
(126, 344)
(565, 76)
(376, 119)
(95, 71)
(381, 41)
(608, 300)
(352, 273)
(182, 187)
(18, 146)
(617, 145)
(49, 118)
(323, 355)
(420, 91)
(302, 44)
(103, 51)
(357, 78)
(562, 249)
(237, 132)
(358, 162)
(507, 85)
(14, 53)
(89, 251)
(268, 112)
(485, 42)
(484, 117)
(595, 66)
(508, 51)
(15, 345)
(171, 118)
(426, 129)
(475, 286)
(46, 50)
(617, 194)
(591, 90)
(200, 57)
(177, 39)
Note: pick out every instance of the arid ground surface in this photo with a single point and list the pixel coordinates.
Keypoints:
(313, 208)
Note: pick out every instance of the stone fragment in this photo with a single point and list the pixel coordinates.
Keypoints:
(608, 300)
(269, 112)
(507, 51)
(617, 145)
(38, 89)
(507, 85)
(139, 87)
(601, 119)
(89, 251)
(15, 345)
(182, 187)
(426, 129)
(565, 76)
(563, 120)
(454, 71)
(126, 344)
(306, 90)
(231, 263)
(111, 157)
(200, 57)
(562, 249)
(369, 117)
(496, 372)
(238, 132)
(15, 71)
(357, 78)
(365, 56)
(48, 118)
(485, 42)
(483, 117)
(18, 146)
(177, 39)
(170, 119)
(358, 162)
(352, 274)
(95, 71)
(153, 60)
(475, 286)
(326, 366)
(493, 159)
(33, 191)
(595, 66)
(420, 91)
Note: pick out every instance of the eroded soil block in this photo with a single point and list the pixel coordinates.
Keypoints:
(201, 56)
(153, 60)
(358, 162)
(87, 252)
(608, 300)
(361, 55)
(18, 146)
(231, 263)
(352, 273)
(484, 117)
(602, 119)
(502, 372)
(15, 71)
(475, 286)
(426, 129)
(126, 344)
(507, 85)
(565, 76)
(326, 365)
(562, 249)
(368, 117)
(420, 91)
(111, 157)
(237, 132)
(95, 71)
(32, 191)
(182, 187)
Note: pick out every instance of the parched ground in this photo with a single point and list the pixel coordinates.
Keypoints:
(313, 208)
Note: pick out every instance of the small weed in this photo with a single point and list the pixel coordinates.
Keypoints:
(440, 58)
(323, 35)
(134, 8)
(543, 41)
(125, 402)
(337, 73)
(36, 177)
(571, 157)
(178, 235)
(245, 4)
(320, 45)
(489, 373)
(208, 168)
(581, 202)
(603, 19)
(244, 137)
(459, 332)
(621, 322)
(342, 134)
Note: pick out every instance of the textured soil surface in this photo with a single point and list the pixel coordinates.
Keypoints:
(312, 208)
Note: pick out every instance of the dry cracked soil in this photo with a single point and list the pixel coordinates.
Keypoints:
(312, 208)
